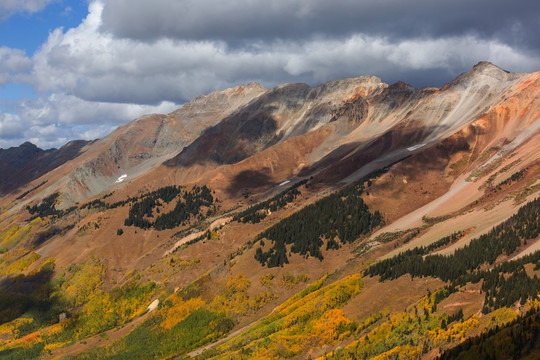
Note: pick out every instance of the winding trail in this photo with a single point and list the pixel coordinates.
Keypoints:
(186, 239)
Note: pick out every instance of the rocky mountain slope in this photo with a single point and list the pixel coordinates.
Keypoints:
(137, 147)
(349, 220)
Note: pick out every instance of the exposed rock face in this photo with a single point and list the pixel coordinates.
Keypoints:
(364, 120)
(283, 112)
(153, 306)
(402, 120)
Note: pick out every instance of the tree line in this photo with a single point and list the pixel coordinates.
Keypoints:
(342, 216)
(503, 285)
(47, 207)
(258, 212)
(189, 204)
(516, 340)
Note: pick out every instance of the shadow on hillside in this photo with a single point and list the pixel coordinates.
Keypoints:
(21, 293)
(45, 235)
(247, 180)
(392, 145)
(238, 136)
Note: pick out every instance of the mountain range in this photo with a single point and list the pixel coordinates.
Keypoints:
(349, 220)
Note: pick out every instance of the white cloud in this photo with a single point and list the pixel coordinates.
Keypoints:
(52, 121)
(12, 63)
(327, 59)
(10, 7)
(10, 126)
(95, 66)
(70, 110)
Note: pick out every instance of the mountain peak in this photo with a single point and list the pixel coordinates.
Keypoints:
(255, 85)
(486, 66)
(28, 144)
(400, 85)
(221, 99)
(483, 72)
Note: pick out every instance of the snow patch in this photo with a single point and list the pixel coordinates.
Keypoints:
(412, 148)
(121, 178)
(285, 182)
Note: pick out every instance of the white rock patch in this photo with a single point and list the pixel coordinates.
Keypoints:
(153, 306)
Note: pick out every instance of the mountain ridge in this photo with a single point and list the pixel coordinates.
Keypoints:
(361, 98)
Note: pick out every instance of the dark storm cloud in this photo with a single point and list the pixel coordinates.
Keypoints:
(235, 21)
(164, 50)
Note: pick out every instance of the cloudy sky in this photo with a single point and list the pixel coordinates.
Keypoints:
(78, 69)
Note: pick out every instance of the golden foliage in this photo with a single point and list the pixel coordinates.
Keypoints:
(235, 301)
(266, 280)
(53, 329)
(305, 321)
(459, 330)
(406, 352)
(104, 311)
(179, 310)
(408, 334)
(288, 281)
(502, 316)
(261, 299)
(10, 242)
(18, 265)
(83, 281)
(8, 233)
(15, 253)
(37, 222)
(28, 340)
(327, 328)
(169, 265)
(53, 346)
(182, 264)
(10, 330)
